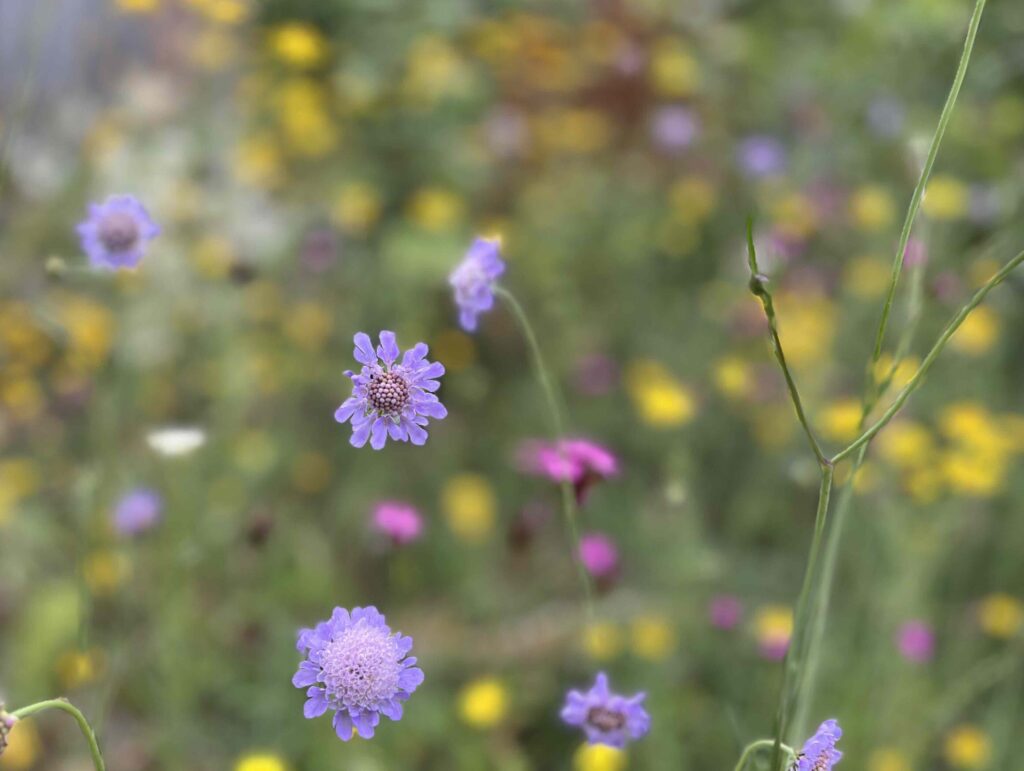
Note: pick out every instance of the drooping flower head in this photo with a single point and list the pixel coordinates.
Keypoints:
(357, 667)
(473, 280)
(819, 753)
(116, 232)
(579, 461)
(606, 717)
(391, 398)
(399, 521)
(137, 511)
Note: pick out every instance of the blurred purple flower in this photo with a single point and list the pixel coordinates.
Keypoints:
(355, 666)
(599, 555)
(474, 278)
(578, 461)
(388, 398)
(819, 753)
(138, 511)
(761, 155)
(115, 233)
(725, 611)
(916, 641)
(606, 717)
(673, 128)
(916, 252)
(398, 521)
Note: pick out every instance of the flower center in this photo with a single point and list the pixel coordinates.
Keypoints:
(361, 668)
(118, 231)
(606, 719)
(388, 394)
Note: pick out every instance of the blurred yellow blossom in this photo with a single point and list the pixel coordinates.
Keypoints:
(298, 44)
(866, 276)
(573, 130)
(902, 374)
(841, 419)
(599, 757)
(302, 111)
(435, 209)
(258, 161)
(311, 472)
(435, 70)
(23, 747)
(470, 506)
(357, 207)
(213, 256)
(22, 342)
(806, 326)
(105, 570)
(978, 333)
(945, 198)
(773, 627)
(77, 668)
(261, 761)
(967, 746)
(872, 208)
(652, 637)
(22, 397)
(602, 640)
(981, 270)
(906, 444)
(733, 377)
(1001, 615)
(674, 70)
(483, 702)
(662, 400)
(886, 759)
(794, 215)
(308, 325)
(90, 328)
(692, 199)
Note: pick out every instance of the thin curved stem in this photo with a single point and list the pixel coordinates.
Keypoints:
(933, 354)
(760, 744)
(922, 182)
(71, 709)
(558, 431)
(759, 288)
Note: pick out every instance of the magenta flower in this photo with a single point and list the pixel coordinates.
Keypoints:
(391, 399)
(398, 521)
(580, 462)
(725, 611)
(116, 232)
(606, 717)
(355, 666)
(916, 641)
(599, 555)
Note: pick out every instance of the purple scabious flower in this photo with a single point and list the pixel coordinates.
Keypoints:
(138, 511)
(115, 233)
(357, 667)
(606, 717)
(819, 753)
(473, 280)
(390, 398)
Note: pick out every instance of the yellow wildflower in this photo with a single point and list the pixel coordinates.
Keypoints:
(470, 507)
(599, 757)
(261, 761)
(356, 207)
(298, 45)
(1001, 615)
(483, 702)
(945, 198)
(840, 420)
(602, 640)
(978, 333)
(967, 746)
(661, 399)
(872, 208)
(652, 637)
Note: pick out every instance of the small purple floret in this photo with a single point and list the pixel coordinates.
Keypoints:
(474, 278)
(357, 667)
(606, 717)
(819, 753)
(138, 511)
(116, 232)
(391, 398)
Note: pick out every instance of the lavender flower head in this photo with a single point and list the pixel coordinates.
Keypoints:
(762, 155)
(138, 511)
(606, 717)
(474, 278)
(674, 128)
(391, 398)
(819, 753)
(115, 233)
(357, 667)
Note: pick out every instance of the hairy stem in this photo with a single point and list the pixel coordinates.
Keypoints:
(558, 431)
(71, 709)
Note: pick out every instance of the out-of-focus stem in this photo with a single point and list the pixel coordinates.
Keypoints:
(71, 709)
(558, 431)
(761, 744)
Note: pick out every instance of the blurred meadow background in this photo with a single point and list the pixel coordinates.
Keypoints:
(318, 168)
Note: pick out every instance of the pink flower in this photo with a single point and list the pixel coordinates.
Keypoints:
(599, 555)
(398, 521)
(725, 611)
(578, 461)
(916, 641)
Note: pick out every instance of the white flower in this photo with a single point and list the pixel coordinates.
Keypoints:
(175, 441)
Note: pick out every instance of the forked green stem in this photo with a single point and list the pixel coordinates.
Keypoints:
(761, 744)
(71, 709)
(558, 431)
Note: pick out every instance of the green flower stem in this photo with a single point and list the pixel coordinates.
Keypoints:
(758, 286)
(922, 182)
(558, 431)
(761, 744)
(71, 709)
(933, 354)
(793, 665)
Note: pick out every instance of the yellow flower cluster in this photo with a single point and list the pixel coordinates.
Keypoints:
(650, 636)
(661, 399)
